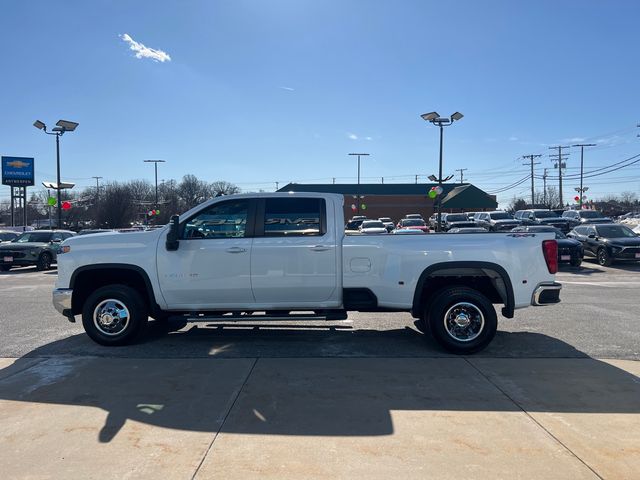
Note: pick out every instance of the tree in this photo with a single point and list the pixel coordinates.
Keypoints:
(223, 188)
(517, 204)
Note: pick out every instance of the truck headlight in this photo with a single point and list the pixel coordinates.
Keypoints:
(64, 249)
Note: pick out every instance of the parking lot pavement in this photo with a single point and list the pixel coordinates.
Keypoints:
(275, 418)
(289, 400)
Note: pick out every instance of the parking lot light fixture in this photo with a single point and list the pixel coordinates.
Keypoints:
(61, 127)
(441, 122)
(358, 188)
(428, 117)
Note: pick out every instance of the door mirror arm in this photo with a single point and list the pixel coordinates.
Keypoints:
(172, 242)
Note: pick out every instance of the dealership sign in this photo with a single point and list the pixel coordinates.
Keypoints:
(17, 171)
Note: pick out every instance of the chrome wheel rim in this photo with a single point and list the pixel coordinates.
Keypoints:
(464, 322)
(111, 317)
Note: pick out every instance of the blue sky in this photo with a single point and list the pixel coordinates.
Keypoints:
(262, 91)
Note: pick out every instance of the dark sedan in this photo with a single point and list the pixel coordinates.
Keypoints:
(608, 242)
(569, 250)
(39, 248)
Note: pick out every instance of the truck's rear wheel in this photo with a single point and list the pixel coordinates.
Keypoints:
(114, 315)
(461, 319)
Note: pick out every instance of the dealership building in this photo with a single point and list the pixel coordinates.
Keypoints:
(395, 200)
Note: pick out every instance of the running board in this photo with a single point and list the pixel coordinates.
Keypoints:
(328, 315)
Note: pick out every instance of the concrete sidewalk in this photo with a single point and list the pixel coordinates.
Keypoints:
(91, 417)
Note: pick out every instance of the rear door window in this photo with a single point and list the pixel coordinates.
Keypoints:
(294, 217)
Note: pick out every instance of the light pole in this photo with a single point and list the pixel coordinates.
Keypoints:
(358, 188)
(437, 120)
(156, 162)
(61, 127)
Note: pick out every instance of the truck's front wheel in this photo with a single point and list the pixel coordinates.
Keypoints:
(114, 315)
(461, 319)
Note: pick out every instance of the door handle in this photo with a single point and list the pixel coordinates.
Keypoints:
(236, 250)
(319, 248)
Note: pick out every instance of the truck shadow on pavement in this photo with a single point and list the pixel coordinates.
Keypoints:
(311, 393)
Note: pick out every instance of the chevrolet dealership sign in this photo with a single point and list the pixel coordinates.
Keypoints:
(17, 171)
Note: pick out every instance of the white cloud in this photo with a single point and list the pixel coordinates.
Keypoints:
(513, 139)
(288, 89)
(352, 136)
(572, 140)
(368, 138)
(145, 52)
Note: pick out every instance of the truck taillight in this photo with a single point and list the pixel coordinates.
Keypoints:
(550, 250)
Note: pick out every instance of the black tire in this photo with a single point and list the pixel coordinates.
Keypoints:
(576, 262)
(44, 261)
(603, 257)
(5, 268)
(120, 334)
(472, 306)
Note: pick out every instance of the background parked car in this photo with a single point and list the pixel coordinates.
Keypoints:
(414, 215)
(467, 230)
(353, 226)
(7, 236)
(456, 220)
(90, 231)
(39, 248)
(608, 242)
(472, 215)
(543, 217)
(569, 250)
(388, 223)
(372, 227)
(577, 217)
(415, 223)
(495, 221)
(408, 231)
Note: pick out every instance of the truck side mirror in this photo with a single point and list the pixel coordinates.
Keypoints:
(172, 242)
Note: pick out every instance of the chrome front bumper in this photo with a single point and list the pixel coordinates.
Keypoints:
(62, 301)
(546, 294)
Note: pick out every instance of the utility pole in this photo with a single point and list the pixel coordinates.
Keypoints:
(416, 179)
(97, 197)
(461, 170)
(544, 188)
(277, 186)
(334, 180)
(559, 158)
(382, 178)
(531, 157)
(582, 189)
(155, 163)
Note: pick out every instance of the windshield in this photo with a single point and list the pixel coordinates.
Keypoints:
(413, 223)
(42, 237)
(615, 231)
(545, 214)
(590, 214)
(500, 216)
(457, 218)
(374, 224)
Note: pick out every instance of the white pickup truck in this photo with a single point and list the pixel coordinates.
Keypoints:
(281, 253)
